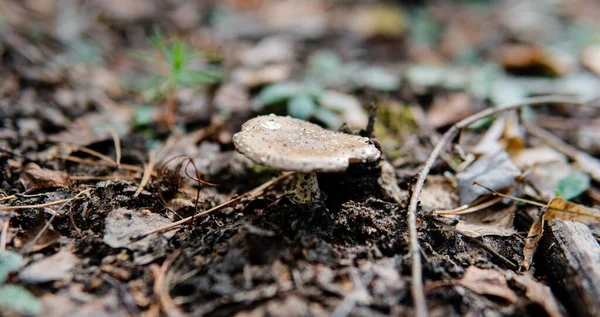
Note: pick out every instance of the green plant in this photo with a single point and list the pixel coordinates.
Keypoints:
(317, 97)
(14, 298)
(573, 185)
(179, 66)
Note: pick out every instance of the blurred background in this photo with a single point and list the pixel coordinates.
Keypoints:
(154, 67)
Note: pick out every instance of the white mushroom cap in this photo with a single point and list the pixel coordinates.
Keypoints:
(290, 144)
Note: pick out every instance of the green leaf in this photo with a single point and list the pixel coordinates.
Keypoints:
(379, 79)
(505, 92)
(423, 28)
(9, 261)
(18, 300)
(425, 75)
(323, 63)
(276, 93)
(481, 124)
(143, 115)
(573, 185)
(328, 117)
(203, 77)
(301, 107)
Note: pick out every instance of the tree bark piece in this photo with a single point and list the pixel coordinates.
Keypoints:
(570, 256)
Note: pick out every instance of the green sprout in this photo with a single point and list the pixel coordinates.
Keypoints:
(180, 67)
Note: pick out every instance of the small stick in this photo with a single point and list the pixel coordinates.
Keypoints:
(415, 254)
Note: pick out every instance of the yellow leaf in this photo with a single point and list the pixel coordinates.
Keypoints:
(566, 210)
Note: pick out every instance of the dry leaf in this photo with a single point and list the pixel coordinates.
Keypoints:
(35, 177)
(449, 110)
(513, 136)
(590, 58)
(533, 239)
(539, 293)
(271, 50)
(495, 171)
(566, 210)
(488, 222)
(523, 57)
(253, 77)
(506, 133)
(57, 267)
(589, 164)
(95, 126)
(487, 282)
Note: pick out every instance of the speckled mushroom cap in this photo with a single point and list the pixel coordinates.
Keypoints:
(290, 144)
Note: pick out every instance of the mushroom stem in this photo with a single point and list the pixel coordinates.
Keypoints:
(306, 188)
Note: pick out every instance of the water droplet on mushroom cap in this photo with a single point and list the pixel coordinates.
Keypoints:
(290, 144)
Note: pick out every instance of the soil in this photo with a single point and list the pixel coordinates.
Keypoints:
(260, 255)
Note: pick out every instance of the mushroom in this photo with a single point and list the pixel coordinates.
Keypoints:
(289, 144)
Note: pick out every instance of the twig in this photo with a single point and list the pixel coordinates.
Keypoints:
(253, 193)
(417, 274)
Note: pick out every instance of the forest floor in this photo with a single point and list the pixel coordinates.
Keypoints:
(117, 118)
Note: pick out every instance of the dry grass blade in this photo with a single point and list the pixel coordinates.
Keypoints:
(148, 167)
(53, 203)
(161, 287)
(71, 158)
(416, 268)
(117, 142)
(101, 178)
(91, 152)
(466, 209)
(557, 208)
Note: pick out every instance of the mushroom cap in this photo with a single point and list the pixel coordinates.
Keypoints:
(289, 144)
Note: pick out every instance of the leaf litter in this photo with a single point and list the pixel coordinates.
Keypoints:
(256, 253)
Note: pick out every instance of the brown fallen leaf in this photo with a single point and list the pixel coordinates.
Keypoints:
(538, 293)
(492, 221)
(449, 110)
(525, 57)
(487, 282)
(35, 177)
(533, 239)
(566, 210)
(590, 58)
